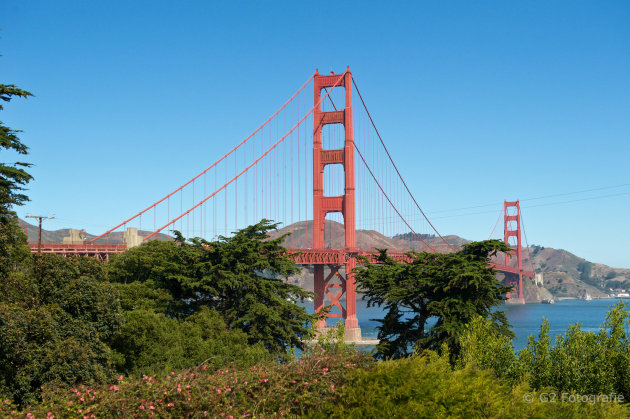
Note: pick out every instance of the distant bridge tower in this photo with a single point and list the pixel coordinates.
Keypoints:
(345, 204)
(512, 236)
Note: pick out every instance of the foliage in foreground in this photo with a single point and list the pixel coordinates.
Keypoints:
(55, 323)
(327, 381)
(267, 389)
(453, 288)
(580, 361)
(151, 343)
(427, 386)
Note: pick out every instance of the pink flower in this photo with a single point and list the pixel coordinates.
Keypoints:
(179, 390)
(69, 402)
(218, 391)
(205, 367)
(120, 378)
(172, 372)
(151, 407)
(245, 383)
(141, 407)
(82, 399)
(332, 387)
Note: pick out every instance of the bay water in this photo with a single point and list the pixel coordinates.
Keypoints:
(524, 318)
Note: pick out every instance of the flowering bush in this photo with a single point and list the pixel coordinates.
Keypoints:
(266, 389)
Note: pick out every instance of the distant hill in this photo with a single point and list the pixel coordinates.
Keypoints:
(565, 275)
(56, 236)
(334, 238)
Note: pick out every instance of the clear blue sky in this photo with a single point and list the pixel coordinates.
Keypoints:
(477, 101)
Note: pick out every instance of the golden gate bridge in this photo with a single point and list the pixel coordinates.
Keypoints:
(320, 167)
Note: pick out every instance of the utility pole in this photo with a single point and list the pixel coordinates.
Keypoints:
(39, 236)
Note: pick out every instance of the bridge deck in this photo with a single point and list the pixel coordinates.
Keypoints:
(301, 256)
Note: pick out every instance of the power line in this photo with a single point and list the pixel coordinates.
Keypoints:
(494, 204)
(537, 205)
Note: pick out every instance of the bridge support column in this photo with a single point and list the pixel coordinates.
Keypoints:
(320, 291)
(353, 331)
(131, 237)
(512, 237)
(344, 204)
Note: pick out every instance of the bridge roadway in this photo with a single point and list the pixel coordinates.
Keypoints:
(301, 256)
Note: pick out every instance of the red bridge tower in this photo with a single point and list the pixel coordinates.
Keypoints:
(512, 230)
(322, 205)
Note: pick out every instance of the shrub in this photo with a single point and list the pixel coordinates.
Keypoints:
(586, 362)
(427, 386)
(54, 327)
(579, 361)
(151, 343)
(485, 347)
(267, 389)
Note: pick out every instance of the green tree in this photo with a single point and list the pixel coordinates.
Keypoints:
(450, 289)
(13, 177)
(55, 325)
(240, 277)
(151, 343)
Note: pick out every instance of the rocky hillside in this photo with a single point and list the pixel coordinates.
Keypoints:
(567, 275)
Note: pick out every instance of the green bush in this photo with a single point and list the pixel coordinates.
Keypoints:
(579, 361)
(266, 389)
(483, 346)
(54, 327)
(427, 387)
(151, 343)
(586, 362)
